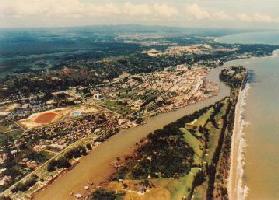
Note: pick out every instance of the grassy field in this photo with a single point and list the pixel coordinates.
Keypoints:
(4, 129)
(165, 188)
(201, 121)
(181, 187)
(195, 144)
(117, 107)
(200, 192)
(215, 132)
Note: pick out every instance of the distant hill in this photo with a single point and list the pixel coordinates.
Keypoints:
(137, 28)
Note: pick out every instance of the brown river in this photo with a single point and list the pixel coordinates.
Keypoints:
(97, 166)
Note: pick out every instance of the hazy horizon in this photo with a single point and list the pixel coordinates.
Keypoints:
(195, 14)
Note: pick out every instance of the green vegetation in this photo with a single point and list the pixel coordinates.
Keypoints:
(234, 76)
(201, 121)
(178, 187)
(101, 194)
(59, 163)
(40, 157)
(64, 161)
(24, 186)
(3, 129)
(195, 144)
(124, 98)
(117, 106)
(215, 129)
(156, 160)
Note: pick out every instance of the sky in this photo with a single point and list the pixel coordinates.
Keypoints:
(181, 13)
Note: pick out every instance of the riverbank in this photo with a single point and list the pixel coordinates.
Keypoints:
(97, 166)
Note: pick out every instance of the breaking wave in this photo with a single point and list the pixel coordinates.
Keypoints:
(237, 188)
(275, 53)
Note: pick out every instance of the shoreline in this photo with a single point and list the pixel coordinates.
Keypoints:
(236, 188)
(257, 183)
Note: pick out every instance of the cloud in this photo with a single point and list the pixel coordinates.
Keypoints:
(81, 12)
(66, 8)
(256, 18)
(165, 10)
(197, 12)
(29, 13)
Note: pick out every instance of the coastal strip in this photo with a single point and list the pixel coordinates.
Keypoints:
(236, 188)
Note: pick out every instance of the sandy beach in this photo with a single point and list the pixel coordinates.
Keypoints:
(236, 188)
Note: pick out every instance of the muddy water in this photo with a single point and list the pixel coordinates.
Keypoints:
(261, 154)
(96, 167)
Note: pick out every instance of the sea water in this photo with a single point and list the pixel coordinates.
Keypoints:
(264, 37)
(261, 165)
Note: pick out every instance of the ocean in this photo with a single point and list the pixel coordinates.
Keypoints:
(258, 153)
(265, 37)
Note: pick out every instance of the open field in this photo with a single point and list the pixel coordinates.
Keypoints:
(54, 115)
(166, 189)
(43, 118)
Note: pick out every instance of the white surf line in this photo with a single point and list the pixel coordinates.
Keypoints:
(236, 188)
